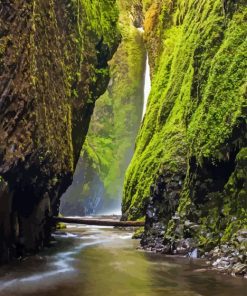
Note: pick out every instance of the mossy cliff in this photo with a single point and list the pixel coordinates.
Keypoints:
(114, 125)
(188, 173)
(53, 66)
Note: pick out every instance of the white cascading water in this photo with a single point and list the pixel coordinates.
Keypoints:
(147, 87)
(147, 82)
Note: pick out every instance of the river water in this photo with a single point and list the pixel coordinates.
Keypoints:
(100, 261)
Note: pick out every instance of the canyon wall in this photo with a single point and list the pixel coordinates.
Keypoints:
(53, 66)
(188, 174)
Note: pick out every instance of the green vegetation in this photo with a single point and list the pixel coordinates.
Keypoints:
(196, 113)
(117, 113)
(68, 48)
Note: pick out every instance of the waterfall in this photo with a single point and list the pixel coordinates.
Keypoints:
(147, 87)
(147, 81)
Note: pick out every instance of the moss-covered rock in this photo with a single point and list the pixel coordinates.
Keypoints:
(191, 148)
(53, 66)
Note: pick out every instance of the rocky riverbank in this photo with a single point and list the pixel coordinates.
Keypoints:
(229, 258)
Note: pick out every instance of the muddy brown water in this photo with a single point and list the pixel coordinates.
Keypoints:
(100, 261)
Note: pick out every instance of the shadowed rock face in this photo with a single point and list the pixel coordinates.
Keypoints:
(53, 66)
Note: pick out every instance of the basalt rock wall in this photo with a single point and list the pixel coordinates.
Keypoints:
(188, 174)
(53, 66)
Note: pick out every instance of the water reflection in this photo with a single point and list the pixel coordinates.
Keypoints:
(103, 261)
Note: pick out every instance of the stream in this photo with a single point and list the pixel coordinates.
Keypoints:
(99, 261)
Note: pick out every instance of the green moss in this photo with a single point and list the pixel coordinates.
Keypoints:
(235, 203)
(196, 111)
(62, 69)
(138, 233)
(60, 225)
(215, 117)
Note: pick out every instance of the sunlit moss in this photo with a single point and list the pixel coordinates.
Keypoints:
(196, 109)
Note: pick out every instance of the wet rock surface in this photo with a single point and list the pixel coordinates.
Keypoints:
(172, 232)
(228, 259)
(52, 69)
(180, 236)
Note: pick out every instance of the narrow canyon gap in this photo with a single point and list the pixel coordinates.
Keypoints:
(109, 147)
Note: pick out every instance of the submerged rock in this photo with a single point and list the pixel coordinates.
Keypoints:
(239, 269)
